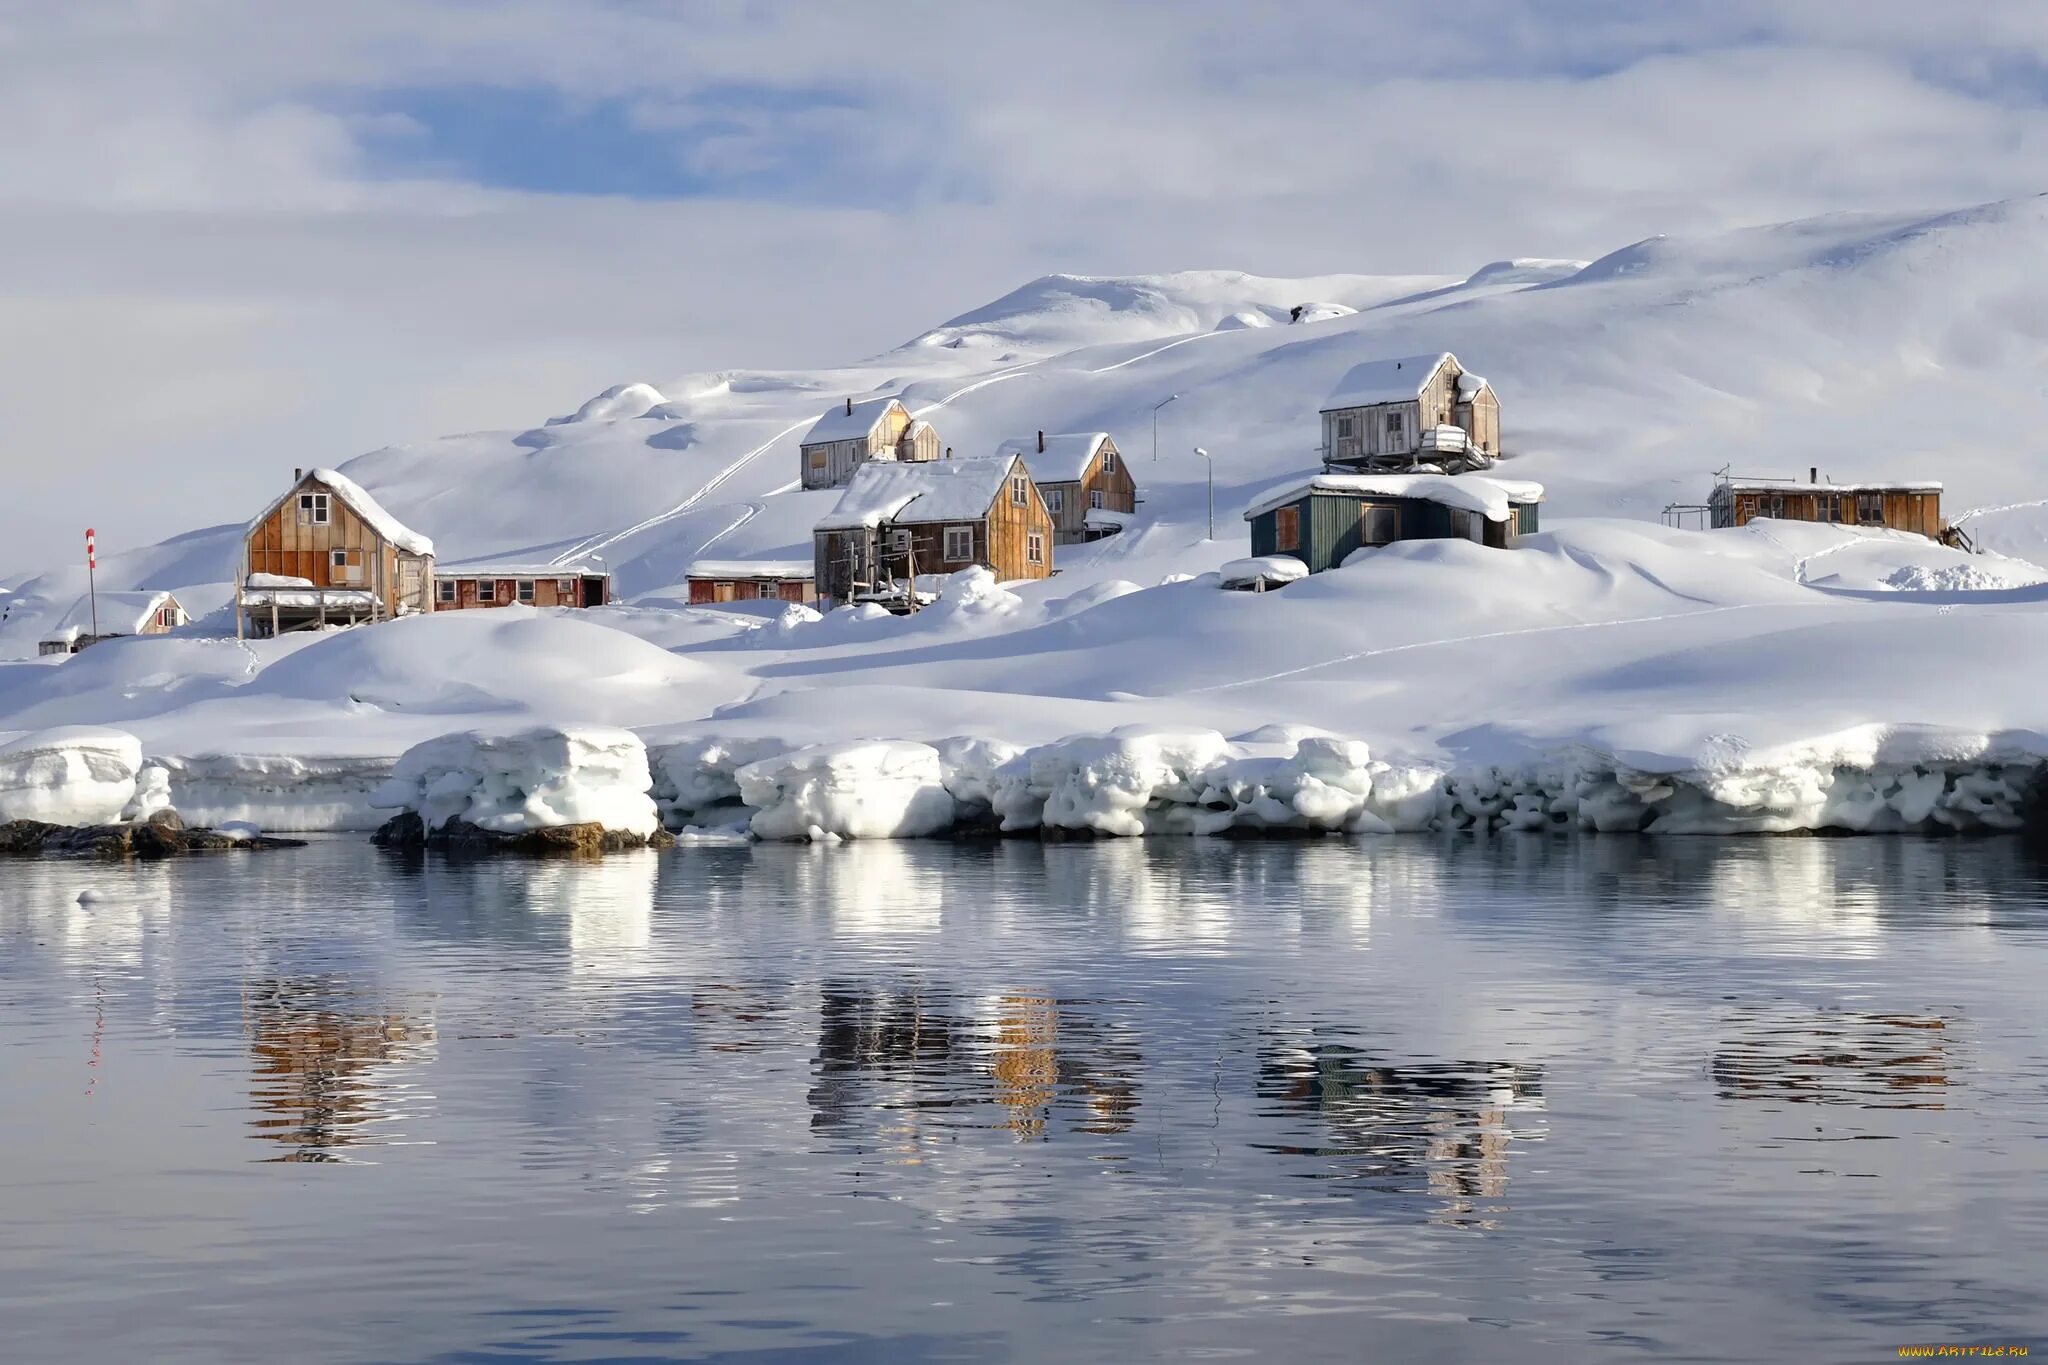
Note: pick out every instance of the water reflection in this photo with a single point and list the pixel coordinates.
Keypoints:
(1418, 1127)
(1873, 1061)
(328, 1073)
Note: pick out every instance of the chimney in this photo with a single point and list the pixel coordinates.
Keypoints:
(298, 474)
(849, 407)
(1041, 443)
(1813, 473)
(949, 452)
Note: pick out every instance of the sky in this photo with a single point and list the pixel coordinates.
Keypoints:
(238, 237)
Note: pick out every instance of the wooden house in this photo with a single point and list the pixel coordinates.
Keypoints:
(714, 581)
(1412, 410)
(1323, 518)
(860, 430)
(111, 615)
(1901, 506)
(1079, 473)
(326, 553)
(898, 525)
(463, 587)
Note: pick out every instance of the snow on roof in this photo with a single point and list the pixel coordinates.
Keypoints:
(936, 490)
(1262, 568)
(361, 503)
(1385, 381)
(120, 613)
(1469, 385)
(844, 422)
(1066, 457)
(1106, 517)
(1754, 485)
(749, 568)
(1491, 498)
(494, 568)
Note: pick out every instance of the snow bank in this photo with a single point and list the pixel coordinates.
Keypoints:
(618, 401)
(540, 778)
(868, 789)
(72, 775)
(284, 794)
(1270, 569)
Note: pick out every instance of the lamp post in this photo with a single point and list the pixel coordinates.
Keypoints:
(1211, 465)
(1155, 423)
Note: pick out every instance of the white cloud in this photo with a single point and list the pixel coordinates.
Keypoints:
(209, 278)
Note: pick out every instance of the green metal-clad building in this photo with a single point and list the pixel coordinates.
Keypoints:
(1321, 519)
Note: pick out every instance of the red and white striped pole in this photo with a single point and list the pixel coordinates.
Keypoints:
(92, 564)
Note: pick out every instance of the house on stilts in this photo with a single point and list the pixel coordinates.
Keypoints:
(326, 553)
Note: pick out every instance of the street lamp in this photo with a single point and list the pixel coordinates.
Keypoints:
(1155, 423)
(1211, 465)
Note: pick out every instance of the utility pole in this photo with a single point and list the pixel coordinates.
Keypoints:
(1211, 464)
(92, 589)
(1155, 423)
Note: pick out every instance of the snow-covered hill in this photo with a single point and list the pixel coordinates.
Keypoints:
(1867, 346)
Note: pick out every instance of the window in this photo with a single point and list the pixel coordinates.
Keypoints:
(1346, 428)
(1870, 509)
(487, 590)
(524, 589)
(1378, 525)
(444, 590)
(1020, 491)
(1095, 498)
(1397, 429)
(313, 509)
(1771, 506)
(566, 587)
(1055, 500)
(347, 565)
(1034, 547)
(959, 544)
(1108, 460)
(1287, 529)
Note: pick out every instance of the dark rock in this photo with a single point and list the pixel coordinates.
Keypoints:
(159, 837)
(166, 819)
(401, 831)
(461, 837)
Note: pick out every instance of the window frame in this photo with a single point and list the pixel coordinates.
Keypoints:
(1108, 460)
(1396, 428)
(1347, 428)
(523, 590)
(487, 590)
(1870, 509)
(1096, 501)
(1020, 490)
(952, 539)
(1370, 513)
(1034, 547)
(447, 590)
(566, 587)
(1286, 529)
(316, 509)
(1055, 499)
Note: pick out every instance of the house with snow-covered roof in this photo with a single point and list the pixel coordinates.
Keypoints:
(1896, 504)
(327, 553)
(1323, 518)
(713, 582)
(899, 525)
(487, 583)
(111, 615)
(858, 430)
(1087, 486)
(1412, 410)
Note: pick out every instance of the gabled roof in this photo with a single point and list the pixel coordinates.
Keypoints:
(919, 494)
(120, 613)
(1066, 457)
(1493, 499)
(851, 420)
(1385, 381)
(1471, 385)
(360, 502)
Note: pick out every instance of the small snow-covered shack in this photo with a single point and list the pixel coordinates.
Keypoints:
(462, 587)
(897, 523)
(1412, 410)
(1078, 473)
(859, 430)
(119, 614)
(326, 552)
(713, 581)
(1321, 519)
(1903, 506)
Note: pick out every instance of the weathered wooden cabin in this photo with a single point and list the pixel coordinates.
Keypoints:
(462, 587)
(713, 581)
(327, 553)
(1901, 506)
(898, 524)
(111, 616)
(860, 430)
(1412, 410)
(1078, 473)
(1323, 518)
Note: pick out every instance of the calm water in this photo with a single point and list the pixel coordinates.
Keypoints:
(1572, 1100)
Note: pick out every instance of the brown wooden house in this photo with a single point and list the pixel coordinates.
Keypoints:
(1079, 473)
(1412, 410)
(899, 527)
(463, 587)
(715, 581)
(1901, 506)
(860, 430)
(325, 553)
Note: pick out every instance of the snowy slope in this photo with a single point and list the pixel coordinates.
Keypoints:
(1870, 346)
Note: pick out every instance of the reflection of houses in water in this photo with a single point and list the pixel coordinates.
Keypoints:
(894, 1062)
(326, 1074)
(1441, 1128)
(1873, 1061)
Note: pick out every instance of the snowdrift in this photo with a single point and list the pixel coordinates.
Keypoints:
(73, 775)
(542, 778)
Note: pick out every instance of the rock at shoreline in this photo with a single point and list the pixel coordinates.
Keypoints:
(459, 836)
(163, 835)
